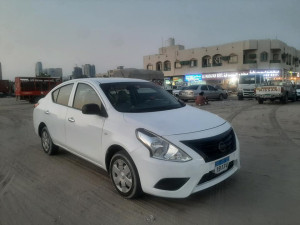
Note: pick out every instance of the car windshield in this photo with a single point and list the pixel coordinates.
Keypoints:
(297, 86)
(249, 79)
(139, 97)
(275, 82)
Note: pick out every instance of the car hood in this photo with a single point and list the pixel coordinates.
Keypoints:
(177, 121)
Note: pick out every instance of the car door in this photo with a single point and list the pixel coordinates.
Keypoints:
(204, 89)
(55, 113)
(84, 132)
(213, 91)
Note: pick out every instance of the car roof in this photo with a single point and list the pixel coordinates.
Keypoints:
(106, 80)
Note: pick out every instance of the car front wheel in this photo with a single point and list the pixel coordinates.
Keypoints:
(124, 175)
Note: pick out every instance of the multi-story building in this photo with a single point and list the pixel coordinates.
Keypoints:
(38, 69)
(53, 72)
(77, 72)
(0, 72)
(93, 71)
(89, 70)
(223, 64)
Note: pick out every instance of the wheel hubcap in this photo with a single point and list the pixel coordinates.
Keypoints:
(121, 175)
(45, 141)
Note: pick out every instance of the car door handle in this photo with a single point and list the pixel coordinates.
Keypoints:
(47, 112)
(71, 119)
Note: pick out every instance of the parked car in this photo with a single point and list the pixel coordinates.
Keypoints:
(298, 91)
(282, 90)
(135, 130)
(191, 92)
(176, 90)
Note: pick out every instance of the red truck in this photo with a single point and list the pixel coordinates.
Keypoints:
(34, 88)
(6, 88)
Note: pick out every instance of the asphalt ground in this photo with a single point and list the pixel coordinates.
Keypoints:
(64, 189)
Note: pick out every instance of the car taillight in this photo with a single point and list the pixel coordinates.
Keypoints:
(35, 105)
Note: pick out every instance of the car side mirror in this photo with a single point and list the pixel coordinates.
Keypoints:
(94, 109)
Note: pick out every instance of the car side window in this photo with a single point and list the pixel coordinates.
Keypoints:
(64, 94)
(54, 95)
(204, 88)
(211, 88)
(85, 94)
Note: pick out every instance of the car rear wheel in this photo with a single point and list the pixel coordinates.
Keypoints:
(47, 143)
(124, 175)
(221, 97)
(294, 98)
(284, 99)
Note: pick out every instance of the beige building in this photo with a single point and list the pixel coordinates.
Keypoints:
(223, 64)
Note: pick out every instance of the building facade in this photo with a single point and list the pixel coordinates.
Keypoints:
(53, 72)
(38, 69)
(0, 72)
(223, 64)
(77, 72)
(89, 70)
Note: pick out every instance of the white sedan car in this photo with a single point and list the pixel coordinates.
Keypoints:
(145, 138)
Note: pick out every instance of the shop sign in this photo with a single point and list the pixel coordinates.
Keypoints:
(266, 73)
(193, 77)
(223, 75)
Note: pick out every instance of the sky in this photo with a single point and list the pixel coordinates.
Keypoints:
(110, 33)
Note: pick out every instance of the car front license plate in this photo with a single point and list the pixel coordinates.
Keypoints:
(221, 165)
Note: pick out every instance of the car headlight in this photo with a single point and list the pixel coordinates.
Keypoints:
(160, 148)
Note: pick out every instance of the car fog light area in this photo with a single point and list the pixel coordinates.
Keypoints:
(160, 148)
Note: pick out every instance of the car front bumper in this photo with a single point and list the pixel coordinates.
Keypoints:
(181, 179)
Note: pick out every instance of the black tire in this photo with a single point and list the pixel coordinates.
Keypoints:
(240, 97)
(124, 175)
(47, 144)
(32, 100)
(284, 99)
(221, 97)
(294, 98)
(260, 101)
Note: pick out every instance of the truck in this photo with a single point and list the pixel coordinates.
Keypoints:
(34, 88)
(247, 85)
(282, 90)
(6, 88)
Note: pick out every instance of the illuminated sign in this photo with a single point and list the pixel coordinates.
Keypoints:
(193, 77)
(266, 73)
(224, 75)
(229, 75)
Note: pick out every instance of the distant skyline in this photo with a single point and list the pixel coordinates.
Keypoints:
(107, 34)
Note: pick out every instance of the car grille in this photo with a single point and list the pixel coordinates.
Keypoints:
(213, 148)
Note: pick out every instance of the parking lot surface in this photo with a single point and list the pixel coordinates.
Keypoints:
(64, 189)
